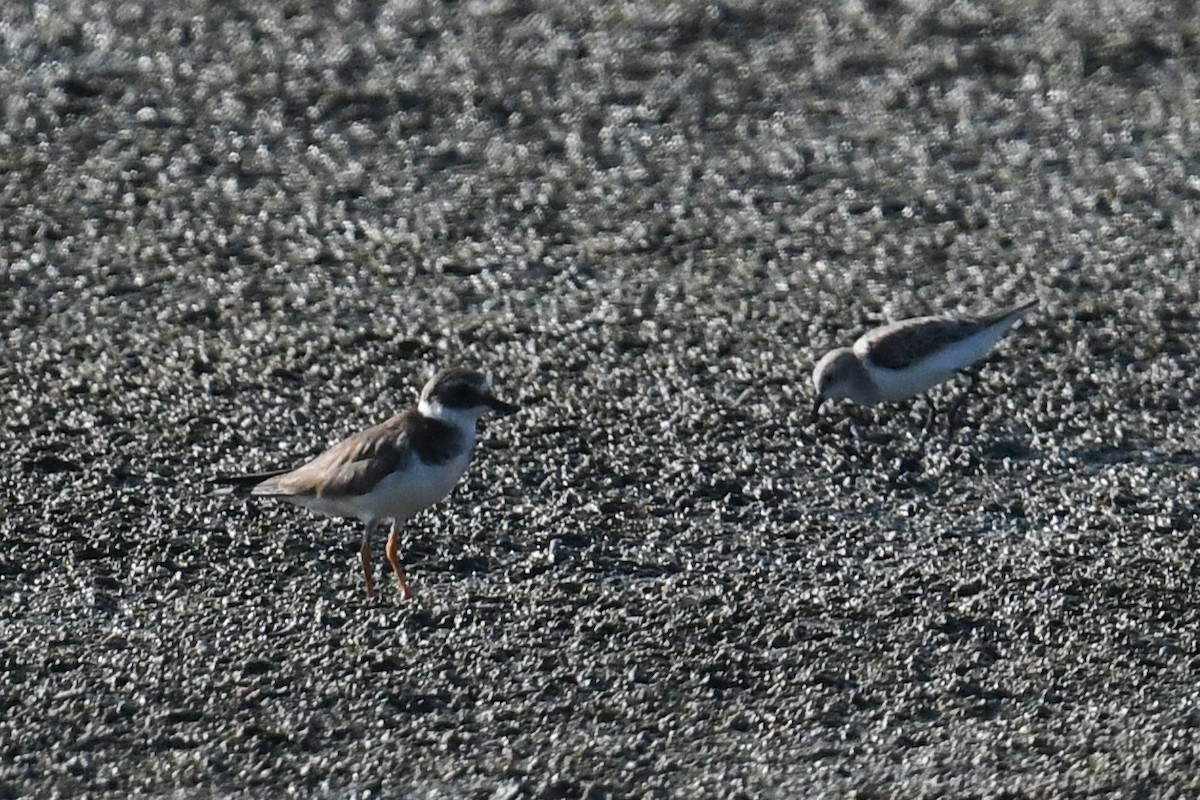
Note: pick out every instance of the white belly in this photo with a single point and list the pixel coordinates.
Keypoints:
(897, 384)
(404, 494)
(398, 496)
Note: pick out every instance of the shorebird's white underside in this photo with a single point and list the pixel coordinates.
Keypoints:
(897, 384)
(397, 496)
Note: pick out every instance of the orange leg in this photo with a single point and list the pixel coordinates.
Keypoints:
(405, 593)
(366, 560)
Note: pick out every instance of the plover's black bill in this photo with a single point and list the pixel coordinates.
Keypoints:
(498, 405)
(818, 401)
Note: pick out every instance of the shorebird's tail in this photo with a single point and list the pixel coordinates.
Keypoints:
(1021, 308)
(242, 485)
(1009, 316)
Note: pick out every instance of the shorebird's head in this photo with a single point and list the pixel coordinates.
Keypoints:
(460, 395)
(837, 375)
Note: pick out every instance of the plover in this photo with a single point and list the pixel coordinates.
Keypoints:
(391, 471)
(904, 358)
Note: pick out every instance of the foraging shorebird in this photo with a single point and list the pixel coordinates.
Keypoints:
(392, 470)
(904, 358)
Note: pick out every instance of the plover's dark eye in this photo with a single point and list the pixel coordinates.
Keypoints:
(461, 395)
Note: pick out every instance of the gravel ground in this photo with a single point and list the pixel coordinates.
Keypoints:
(232, 235)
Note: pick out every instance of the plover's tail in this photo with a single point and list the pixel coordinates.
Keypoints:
(242, 485)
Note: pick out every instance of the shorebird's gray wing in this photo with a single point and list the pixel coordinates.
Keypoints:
(353, 466)
(909, 341)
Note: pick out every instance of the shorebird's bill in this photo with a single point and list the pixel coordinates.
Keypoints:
(498, 405)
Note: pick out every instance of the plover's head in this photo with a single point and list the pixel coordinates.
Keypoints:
(839, 374)
(460, 394)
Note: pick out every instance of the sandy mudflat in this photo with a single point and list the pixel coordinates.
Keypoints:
(229, 237)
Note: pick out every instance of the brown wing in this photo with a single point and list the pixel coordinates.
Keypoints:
(352, 466)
